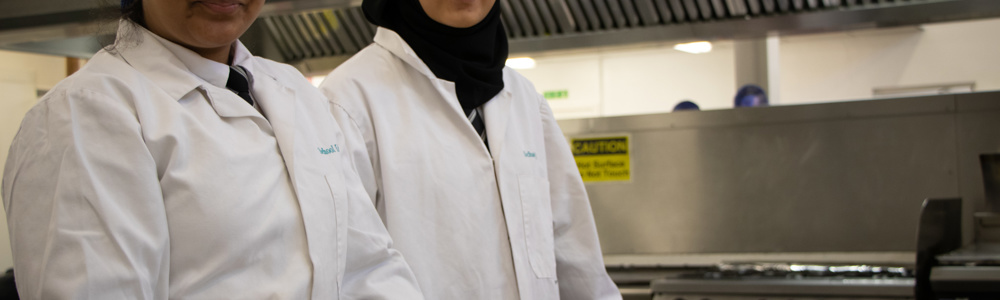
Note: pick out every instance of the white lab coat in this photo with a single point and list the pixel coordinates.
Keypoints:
(510, 222)
(136, 179)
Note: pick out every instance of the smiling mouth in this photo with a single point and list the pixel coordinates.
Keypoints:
(221, 7)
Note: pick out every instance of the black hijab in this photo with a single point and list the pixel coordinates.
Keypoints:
(471, 57)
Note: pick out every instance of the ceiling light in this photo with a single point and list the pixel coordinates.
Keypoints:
(521, 63)
(695, 47)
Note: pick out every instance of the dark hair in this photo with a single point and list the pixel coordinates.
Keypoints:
(686, 105)
(111, 12)
(750, 95)
(132, 10)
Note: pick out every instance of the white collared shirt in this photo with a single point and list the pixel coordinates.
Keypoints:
(213, 72)
(210, 71)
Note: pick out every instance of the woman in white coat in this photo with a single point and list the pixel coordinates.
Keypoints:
(463, 159)
(178, 166)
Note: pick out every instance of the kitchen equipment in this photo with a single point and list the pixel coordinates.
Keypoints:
(761, 281)
(945, 270)
(991, 180)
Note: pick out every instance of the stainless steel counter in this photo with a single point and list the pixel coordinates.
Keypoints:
(700, 289)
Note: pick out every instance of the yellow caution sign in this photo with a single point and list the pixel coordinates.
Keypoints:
(603, 158)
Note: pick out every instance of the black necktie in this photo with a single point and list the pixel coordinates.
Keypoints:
(477, 122)
(239, 82)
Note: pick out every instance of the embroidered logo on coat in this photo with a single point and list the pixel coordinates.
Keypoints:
(332, 149)
(529, 154)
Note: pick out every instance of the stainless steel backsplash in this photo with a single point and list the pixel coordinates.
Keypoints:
(835, 177)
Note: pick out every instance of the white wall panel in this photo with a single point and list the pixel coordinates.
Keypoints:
(813, 68)
(579, 75)
(653, 80)
(639, 80)
(849, 65)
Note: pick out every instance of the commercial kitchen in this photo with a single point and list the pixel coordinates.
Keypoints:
(873, 172)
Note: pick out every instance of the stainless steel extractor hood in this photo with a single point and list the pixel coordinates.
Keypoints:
(541, 25)
(300, 31)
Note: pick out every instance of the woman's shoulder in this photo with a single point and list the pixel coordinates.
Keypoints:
(518, 84)
(288, 76)
(101, 90)
(511, 76)
(281, 72)
(369, 64)
(104, 76)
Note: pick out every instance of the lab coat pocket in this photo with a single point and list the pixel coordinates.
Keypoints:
(538, 227)
(339, 192)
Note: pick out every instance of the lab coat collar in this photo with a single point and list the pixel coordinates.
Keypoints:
(390, 40)
(278, 101)
(496, 112)
(177, 70)
(208, 70)
(148, 56)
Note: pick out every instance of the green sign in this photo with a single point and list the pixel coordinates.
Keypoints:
(553, 95)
